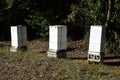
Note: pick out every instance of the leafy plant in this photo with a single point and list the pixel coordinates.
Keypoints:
(40, 24)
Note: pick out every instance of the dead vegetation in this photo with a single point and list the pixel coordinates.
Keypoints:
(35, 65)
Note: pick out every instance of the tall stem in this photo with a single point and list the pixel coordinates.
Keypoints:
(108, 13)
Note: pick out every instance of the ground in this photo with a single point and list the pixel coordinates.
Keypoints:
(35, 65)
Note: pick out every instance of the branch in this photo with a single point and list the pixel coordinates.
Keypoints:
(108, 13)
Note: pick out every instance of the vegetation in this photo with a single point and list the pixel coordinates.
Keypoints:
(78, 15)
(36, 66)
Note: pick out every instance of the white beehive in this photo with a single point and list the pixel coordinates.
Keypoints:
(96, 43)
(18, 36)
(57, 38)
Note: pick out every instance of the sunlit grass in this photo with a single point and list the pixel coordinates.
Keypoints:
(23, 65)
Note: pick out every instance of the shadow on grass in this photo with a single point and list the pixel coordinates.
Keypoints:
(112, 63)
(66, 55)
(2, 45)
(112, 57)
(42, 52)
(112, 60)
(70, 49)
(78, 58)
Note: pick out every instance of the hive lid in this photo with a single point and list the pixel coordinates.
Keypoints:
(59, 25)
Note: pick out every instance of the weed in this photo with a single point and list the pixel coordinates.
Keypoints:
(37, 66)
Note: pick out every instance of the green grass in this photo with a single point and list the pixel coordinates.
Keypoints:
(37, 66)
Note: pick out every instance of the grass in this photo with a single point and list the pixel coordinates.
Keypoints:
(37, 66)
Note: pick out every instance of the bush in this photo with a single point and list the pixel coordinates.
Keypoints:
(40, 24)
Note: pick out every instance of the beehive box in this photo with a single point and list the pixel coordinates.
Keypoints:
(96, 43)
(18, 37)
(57, 38)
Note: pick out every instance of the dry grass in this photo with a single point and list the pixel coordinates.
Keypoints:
(34, 65)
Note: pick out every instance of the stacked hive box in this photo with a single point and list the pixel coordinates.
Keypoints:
(57, 40)
(18, 37)
(96, 43)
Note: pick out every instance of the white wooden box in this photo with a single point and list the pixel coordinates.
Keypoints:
(96, 42)
(18, 36)
(57, 37)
